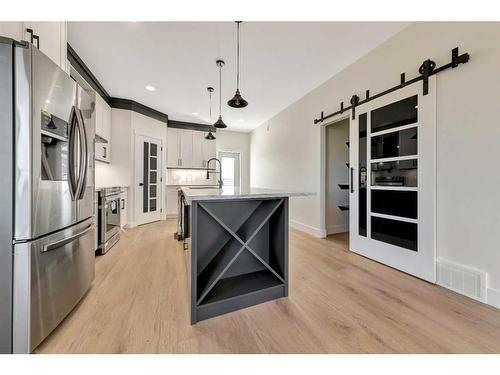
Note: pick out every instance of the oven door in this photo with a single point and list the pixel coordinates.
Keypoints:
(112, 217)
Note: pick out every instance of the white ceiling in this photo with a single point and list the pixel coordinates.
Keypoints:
(280, 62)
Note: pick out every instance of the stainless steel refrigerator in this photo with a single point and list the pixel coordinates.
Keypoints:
(46, 195)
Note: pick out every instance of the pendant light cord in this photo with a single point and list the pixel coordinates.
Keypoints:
(238, 56)
(210, 103)
(220, 89)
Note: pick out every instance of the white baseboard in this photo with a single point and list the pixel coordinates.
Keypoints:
(493, 297)
(171, 216)
(306, 228)
(339, 228)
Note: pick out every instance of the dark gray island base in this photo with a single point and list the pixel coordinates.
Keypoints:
(238, 253)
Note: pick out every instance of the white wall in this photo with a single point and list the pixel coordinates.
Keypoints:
(120, 172)
(285, 151)
(227, 140)
(337, 155)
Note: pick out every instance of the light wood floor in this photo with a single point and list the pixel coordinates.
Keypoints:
(339, 302)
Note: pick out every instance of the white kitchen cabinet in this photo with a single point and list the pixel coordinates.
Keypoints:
(103, 130)
(172, 201)
(198, 160)
(14, 30)
(173, 157)
(209, 150)
(186, 148)
(52, 37)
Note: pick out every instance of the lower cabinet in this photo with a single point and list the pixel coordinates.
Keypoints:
(172, 201)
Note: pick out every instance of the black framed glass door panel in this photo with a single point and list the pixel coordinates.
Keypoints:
(400, 181)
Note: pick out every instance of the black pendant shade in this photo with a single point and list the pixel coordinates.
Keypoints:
(210, 90)
(237, 101)
(219, 123)
(210, 136)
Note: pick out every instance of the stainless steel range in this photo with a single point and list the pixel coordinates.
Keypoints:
(47, 195)
(108, 219)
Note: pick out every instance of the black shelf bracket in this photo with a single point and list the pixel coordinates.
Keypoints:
(427, 69)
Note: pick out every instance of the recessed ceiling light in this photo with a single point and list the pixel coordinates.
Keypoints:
(150, 88)
(47, 101)
(195, 113)
(241, 120)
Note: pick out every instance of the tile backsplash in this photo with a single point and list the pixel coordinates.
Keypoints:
(189, 177)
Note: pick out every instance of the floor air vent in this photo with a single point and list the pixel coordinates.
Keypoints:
(461, 279)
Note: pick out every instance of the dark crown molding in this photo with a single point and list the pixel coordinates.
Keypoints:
(191, 126)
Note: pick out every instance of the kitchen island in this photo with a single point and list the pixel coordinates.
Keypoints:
(237, 248)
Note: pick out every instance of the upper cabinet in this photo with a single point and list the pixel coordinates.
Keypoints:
(173, 157)
(102, 130)
(209, 152)
(197, 160)
(52, 37)
(52, 40)
(188, 148)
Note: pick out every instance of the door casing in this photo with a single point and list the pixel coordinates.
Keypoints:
(139, 216)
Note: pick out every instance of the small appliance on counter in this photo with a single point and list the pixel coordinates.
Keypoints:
(108, 218)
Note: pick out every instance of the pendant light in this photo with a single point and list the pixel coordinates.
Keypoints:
(237, 101)
(219, 123)
(210, 136)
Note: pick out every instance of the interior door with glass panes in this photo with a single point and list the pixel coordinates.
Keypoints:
(148, 200)
(392, 192)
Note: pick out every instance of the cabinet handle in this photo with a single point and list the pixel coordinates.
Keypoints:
(30, 31)
(104, 152)
(351, 181)
(123, 204)
(37, 38)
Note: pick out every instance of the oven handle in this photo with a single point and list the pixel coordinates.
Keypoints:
(64, 241)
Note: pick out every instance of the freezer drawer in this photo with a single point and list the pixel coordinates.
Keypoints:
(51, 275)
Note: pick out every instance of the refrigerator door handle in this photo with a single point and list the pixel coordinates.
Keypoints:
(72, 181)
(64, 241)
(82, 180)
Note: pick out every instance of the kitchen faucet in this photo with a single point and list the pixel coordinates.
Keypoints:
(215, 171)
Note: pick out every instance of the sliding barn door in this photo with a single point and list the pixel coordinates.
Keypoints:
(392, 192)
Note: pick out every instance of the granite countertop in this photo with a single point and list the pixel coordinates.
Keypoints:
(230, 192)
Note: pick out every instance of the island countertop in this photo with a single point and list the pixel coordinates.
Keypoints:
(231, 192)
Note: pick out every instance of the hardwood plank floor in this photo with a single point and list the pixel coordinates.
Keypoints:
(339, 302)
